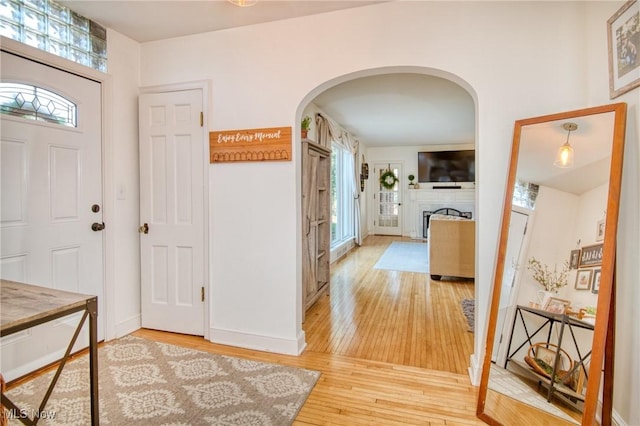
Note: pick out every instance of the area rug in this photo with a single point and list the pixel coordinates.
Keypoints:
(507, 383)
(153, 383)
(405, 256)
(469, 311)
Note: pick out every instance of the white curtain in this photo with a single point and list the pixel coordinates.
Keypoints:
(352, 145)
(328, 131)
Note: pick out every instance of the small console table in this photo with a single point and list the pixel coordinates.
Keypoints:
(564, 322)
(23, 306)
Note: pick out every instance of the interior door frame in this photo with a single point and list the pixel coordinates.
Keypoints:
(108, 186)
(205, 87)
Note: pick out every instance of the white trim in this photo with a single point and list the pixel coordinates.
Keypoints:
(259, 342)
(475, 370)
(128, 326)
(205, 87)
(617, 419)
(108, 216)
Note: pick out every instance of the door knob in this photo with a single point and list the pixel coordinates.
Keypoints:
(144, 229)
(97, 226)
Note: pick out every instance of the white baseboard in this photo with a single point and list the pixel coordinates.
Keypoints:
(128, 326)
(475, 370)
(258, 342)
(617, 420)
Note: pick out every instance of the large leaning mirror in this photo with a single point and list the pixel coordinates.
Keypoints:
(554, 278)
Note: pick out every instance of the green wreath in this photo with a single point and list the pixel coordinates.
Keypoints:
(388, 179)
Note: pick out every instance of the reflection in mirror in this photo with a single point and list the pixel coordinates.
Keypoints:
(554, 274)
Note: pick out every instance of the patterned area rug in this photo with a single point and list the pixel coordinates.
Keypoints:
(469, 311)
(153, 383)
(405, 256)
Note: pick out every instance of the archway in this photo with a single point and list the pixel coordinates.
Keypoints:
(304, 108)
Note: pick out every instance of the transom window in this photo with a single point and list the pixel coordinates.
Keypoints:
(36, 103)
(56, 29)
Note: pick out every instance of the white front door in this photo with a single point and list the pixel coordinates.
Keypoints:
(51, 194)
(517, 230)
(388, 201)
(172, 207)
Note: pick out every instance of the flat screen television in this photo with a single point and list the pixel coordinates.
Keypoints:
(447, 166)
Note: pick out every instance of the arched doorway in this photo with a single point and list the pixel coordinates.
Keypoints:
(389, 85)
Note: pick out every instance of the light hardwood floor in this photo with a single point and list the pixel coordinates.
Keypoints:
(392, 347)
(403, 318)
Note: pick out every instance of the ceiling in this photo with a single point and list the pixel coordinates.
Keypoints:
(149, 20)
(591, 141)
(383, 110)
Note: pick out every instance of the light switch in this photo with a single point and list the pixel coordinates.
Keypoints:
(121, 192)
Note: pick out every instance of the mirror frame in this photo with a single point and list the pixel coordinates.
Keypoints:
(602, 348)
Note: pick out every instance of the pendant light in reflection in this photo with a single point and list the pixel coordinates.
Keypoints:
(564, 157)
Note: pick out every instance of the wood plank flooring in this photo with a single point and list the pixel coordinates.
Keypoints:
(403, 318)
(393, 347)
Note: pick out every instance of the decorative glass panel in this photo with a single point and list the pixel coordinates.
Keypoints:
(52, 27)
(36, 103)
(10, 11)
(525, 194)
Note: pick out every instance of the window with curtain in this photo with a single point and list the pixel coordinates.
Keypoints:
(342, 208)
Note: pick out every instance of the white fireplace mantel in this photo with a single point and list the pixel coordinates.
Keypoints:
(430, 199)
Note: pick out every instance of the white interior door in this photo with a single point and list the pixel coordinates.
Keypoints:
(517, 231)
(172, 207)
(388, 202)
(51, 178)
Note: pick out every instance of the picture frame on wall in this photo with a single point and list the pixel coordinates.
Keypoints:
(574, 259)
(600, 230)
(623, 35)
(595, 287)
(591, 256)
(583, 279)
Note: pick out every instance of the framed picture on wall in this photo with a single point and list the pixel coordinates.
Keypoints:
(574, 259)
(583, 279)
(591, 255)
(600, 230)
(623, 34)
(596, 281)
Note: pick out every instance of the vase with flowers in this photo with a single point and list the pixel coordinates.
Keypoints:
(551, 280)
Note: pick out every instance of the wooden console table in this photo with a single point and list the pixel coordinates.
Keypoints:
(23, 306)
(549, 319)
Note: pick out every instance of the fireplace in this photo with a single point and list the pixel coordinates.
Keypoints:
(427, 199)
(426, 215)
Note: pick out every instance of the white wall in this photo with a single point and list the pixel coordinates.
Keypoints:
(552, 237)
(518, 59)
(261, 75)
(124, 67)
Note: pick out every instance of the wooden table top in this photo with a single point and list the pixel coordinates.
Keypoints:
(22, 304)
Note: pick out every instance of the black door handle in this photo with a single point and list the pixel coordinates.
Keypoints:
(97, 226)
